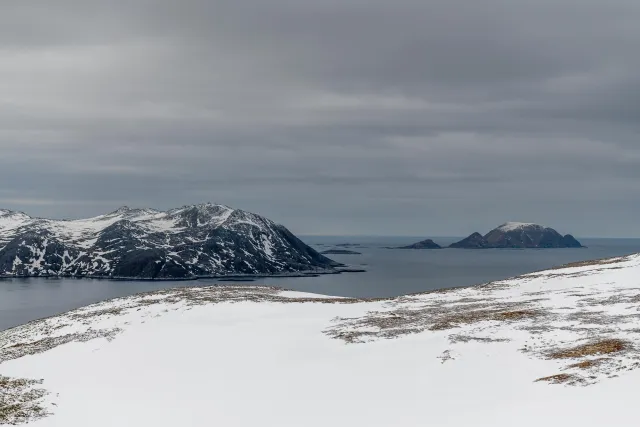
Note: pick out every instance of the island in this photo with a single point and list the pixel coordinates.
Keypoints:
(424, 244)
(518, 235)
(340, 252)
(474, 241)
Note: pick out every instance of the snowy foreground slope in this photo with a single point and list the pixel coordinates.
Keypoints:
(558, 347)
(203, 240)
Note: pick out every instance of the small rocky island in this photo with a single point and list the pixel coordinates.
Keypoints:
(424, 244)
(518, 235)
(340, 252)
(475, 241)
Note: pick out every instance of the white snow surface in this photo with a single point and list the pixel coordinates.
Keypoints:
(10, 220)
(250, 356)
(512, 226)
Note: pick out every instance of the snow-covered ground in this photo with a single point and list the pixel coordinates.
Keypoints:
(554, 348)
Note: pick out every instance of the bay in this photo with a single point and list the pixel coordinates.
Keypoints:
(390, 272)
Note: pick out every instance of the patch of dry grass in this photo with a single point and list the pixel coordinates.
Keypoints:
(458, 338)
(434, 316)
(557, 379)
(515, 315)
(600, 318)
(611, 300)
(587, 364)
(464, 318)
(20, 402)
(608, 346)
(21, 349)
(603, 261)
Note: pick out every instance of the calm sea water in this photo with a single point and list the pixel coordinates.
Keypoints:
(390, 272)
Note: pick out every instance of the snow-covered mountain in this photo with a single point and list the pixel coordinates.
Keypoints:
(193, 241)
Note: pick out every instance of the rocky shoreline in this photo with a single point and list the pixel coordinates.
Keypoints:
(311, 273)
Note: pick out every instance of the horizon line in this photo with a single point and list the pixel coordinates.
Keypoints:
(440, 237)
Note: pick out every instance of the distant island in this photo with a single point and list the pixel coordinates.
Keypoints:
(511, 235)
(340, 252)
(518, 235)
(424, 244)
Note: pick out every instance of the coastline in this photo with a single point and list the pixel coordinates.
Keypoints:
(298, 274)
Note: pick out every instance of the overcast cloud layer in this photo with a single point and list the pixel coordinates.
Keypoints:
(330, 116)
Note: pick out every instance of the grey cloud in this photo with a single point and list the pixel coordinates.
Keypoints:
(405, 117)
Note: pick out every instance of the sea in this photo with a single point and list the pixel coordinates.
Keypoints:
(389, 272)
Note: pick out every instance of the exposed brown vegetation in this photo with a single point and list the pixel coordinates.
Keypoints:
(608, 346)
(462, 318)
(556, 379)
(515, 315)
(18, 350)
(20, 402)
(457, 338)
(611, 300)
(434, 316)
(603, 261)
(587, 364)
(601, 318)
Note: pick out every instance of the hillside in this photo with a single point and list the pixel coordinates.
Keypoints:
(557, 347)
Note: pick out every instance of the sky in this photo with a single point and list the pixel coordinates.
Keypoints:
(357, 117)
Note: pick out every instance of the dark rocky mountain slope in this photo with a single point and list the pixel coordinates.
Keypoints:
(340, 252)
(474, 241)
(204, 240)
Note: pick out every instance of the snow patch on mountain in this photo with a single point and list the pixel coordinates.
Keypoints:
(10, 220)
(512, 226)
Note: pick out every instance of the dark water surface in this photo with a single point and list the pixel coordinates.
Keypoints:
(390, 272)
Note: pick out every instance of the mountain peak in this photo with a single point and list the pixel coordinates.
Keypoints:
(132, 212)
(8, 212)
(122, 209)
(12, 219)
(206, 205)
(512, 226)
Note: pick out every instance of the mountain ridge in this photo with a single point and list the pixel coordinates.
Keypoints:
(203, 240)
